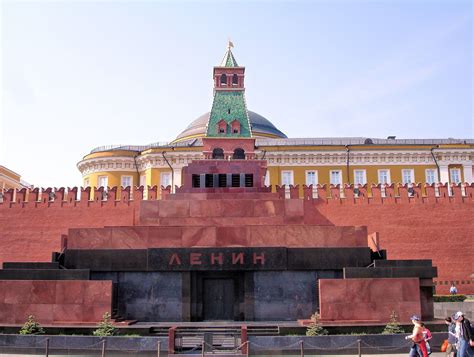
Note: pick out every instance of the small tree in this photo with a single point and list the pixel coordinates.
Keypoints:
(105, 327)
(315, 328)
(393, 326)
(31, 327)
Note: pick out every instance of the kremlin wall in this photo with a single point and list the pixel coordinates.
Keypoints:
(418, 227)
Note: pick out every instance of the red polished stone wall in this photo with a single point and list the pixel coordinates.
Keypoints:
(296, 236)
(369, 299)
(54, 301)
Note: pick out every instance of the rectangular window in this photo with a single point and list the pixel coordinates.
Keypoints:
(360, 177)
(384, 176)
(408, 176)
(126, 181)
(103, 181)
(86, 183)
(165, 179)
(335, 177)
(311, 178)
(455, 175)
(430, 176)
(287, 178)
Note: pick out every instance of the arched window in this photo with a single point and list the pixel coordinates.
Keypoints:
(235, 80)
(239, 154)
(218, 153)
(223, 80)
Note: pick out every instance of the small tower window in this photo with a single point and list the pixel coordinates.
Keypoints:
(235, 126)
(223, 80)
(218, 154)
(239, 154)
(235, 80)
(221, 127)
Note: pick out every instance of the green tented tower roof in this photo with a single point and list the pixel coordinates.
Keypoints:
(229, 59)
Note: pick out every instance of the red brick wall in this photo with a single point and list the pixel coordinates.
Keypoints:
(54, 301)
(369, 299)
(442, 231)
(33, 232)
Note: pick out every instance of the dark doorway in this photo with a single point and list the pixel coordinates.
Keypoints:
(218, 299)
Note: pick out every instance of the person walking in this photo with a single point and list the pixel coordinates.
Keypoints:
(427, 336)
(419, 347)
(451, 349)
(464, 336)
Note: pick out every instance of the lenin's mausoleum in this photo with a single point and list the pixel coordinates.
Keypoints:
(234, 221)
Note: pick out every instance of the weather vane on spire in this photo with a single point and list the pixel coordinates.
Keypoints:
(230, 44)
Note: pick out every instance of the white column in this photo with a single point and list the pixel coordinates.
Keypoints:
(444, 173)
(467, 171)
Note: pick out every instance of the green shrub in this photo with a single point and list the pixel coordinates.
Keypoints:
(315, 328)
(449, 298)
(393, 326)
(31, 327)
(105, 327)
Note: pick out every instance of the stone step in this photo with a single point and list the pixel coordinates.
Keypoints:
(30, 265)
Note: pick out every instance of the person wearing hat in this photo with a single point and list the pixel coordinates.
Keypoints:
(464, 335)
(419, 347)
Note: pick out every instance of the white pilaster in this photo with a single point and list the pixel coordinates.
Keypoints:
(444, 173)
(467, 172)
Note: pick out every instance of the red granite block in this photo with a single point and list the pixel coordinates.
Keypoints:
(2, 291)
(89, 238)
(67, 312)
(95, 313)
(43, 313)
(69, 292)
(237, 208)
(368, 299)
(294, 207)
(270, 236)
(129, 238)
(174, 208)
(164, 237)
(267, 208)
(232, 236)
(148, 211)
(97, 292)
(17, 291)
(7, 313)
(198, 237)
(43, 292)
(205, 208)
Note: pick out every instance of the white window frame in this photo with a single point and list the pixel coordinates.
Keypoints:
(316, 180)
(389, 181)
(122, 179)
(100, 184)
(162, 179)
(364, 177)
(458, 170)
(340, 177)
(291, 177)
(435, 176)
(412, 176)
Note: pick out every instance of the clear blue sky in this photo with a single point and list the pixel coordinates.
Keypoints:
(76, 75)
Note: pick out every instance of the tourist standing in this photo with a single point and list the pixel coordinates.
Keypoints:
(419, 346)
(453, 290)
(463, 335)
(451, 349)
